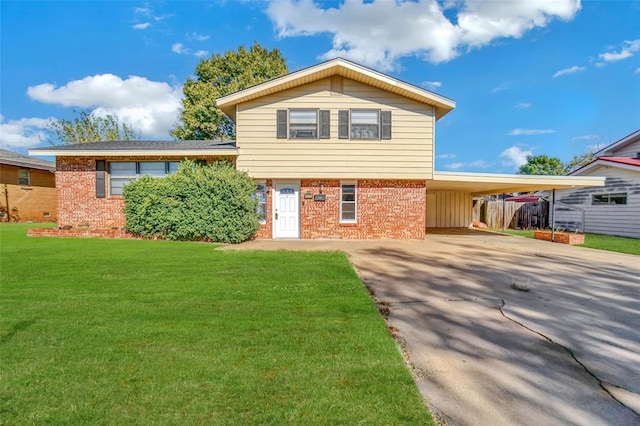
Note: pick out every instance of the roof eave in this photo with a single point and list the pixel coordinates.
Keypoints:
(134, 152)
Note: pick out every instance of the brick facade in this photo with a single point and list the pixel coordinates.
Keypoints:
(35, 202)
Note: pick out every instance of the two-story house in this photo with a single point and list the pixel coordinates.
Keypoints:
(613, 209)
(337, 150)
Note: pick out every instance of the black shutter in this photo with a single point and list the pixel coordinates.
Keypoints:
(100, 179)
(282, 124)
(385, 119)
(343, 124)
(325, 125)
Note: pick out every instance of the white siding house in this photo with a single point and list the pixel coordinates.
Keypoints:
(613, 209)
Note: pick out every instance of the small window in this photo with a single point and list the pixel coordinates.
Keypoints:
(609, 199)
(24, 177)
(365, 124)
(261, 196)
(348, 202)
(121, 173)
(303, 124)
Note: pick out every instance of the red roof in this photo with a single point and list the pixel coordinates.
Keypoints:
(525, 198)
(622, 160)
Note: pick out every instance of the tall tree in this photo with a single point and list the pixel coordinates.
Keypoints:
(542, 165)
(220, 76)
(579, 161)
(88, 127)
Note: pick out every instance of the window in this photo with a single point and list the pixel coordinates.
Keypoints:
(303, 124)
(366, 124)
(348, 202)
(24, 177)
(609, 199)
(123, 172)
(261, 196)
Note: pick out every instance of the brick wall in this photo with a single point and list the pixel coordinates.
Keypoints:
(77, 201)
(28, 203)
(386, 209)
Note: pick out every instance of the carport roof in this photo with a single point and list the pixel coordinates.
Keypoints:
(490, 183)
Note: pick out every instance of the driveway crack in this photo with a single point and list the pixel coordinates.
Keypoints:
(601, 382)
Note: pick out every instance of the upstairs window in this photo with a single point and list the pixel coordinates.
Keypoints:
(609, 199)
(123, 172)
(364, 124)
(24, 177)
(303, 124)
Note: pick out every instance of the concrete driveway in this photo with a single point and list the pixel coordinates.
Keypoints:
(565, 352)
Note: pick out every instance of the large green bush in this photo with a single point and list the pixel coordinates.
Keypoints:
(200, 202)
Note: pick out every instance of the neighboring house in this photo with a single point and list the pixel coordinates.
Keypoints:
(28, 188)
(337, 150)
(613, 209)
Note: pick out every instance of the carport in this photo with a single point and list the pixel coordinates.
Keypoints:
(449, 194)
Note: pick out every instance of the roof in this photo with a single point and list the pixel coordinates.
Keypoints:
(493, 183)
(20, 160)
(342, 68)
(129, 148)
(621, 162)
(525, 198)
(627, 140)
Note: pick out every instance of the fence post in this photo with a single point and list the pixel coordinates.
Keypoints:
(553, 214)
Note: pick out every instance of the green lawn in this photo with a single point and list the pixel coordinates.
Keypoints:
(596, 241)
(138, 332)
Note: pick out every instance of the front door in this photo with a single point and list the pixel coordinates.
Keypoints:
(286, 210)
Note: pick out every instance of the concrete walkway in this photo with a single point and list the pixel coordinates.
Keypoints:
(565, 352)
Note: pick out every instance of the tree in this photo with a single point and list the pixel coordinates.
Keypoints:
(578, 161)
(542, 165)
(88, 127)
(220, 76)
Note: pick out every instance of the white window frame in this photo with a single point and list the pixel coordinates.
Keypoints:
(256, 195)
(352, 124)
(609, 195)
(353, 183)
(290, 125)
(21, 178)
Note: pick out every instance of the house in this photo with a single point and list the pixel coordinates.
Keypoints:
(337, 150)
(613, 209)
(28, 188)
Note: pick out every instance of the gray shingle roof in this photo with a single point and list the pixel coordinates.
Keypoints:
(141, 145)
(16, 159)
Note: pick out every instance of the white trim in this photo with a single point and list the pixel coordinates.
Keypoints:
(617, 144)
(602, 162)
(355, 203)
(134, 152)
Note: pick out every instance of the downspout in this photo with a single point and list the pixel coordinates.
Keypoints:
(553, 214)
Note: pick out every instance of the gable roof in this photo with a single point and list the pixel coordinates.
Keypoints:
(621, 162)
(342, 68)
(11, 158)
(130, 148)
(609, 150)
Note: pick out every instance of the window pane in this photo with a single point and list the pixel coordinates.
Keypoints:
(618, 199)
(348, 211)
(119, 168)
(365, 124)
(303, 124)
(154, 169)
(117, 184)
(298, 116)
(23, 176)
(173, 166)
(348, 203)
(261, 196)
(364, 117)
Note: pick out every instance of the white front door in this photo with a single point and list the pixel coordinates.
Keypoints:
(286, 210)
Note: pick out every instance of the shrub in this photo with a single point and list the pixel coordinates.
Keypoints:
(199, 202)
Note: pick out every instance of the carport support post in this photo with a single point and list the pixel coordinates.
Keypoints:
(553, 214)
(503, 218)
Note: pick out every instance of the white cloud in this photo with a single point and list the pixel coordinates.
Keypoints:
(197, 37)
(379, 33)
(180, 49)
(515, 156)
(574, 69)
(447, 156)
(23, 133)
(431, 84)
(596, 147)
(501, 87)
(530, 132)
(454, 166)
(201, 53)
(149, 106)
(585, 138)
(142, 26)
(630, 47)
(142, 10)
(523, 105)
(637, 71)
(480, 164)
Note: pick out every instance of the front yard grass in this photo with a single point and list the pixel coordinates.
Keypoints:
(595, 241)
(138, 332)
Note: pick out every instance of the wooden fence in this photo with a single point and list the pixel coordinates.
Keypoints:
(516, 215)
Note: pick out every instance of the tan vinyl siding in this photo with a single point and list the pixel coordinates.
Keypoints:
(448, 209)
(408, 155)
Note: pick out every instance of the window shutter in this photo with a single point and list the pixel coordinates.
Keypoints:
(385, 118)
(343, 124)
(325, 125)
(100, 179)
(282, 124)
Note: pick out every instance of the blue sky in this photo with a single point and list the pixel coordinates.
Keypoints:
(531, 77)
